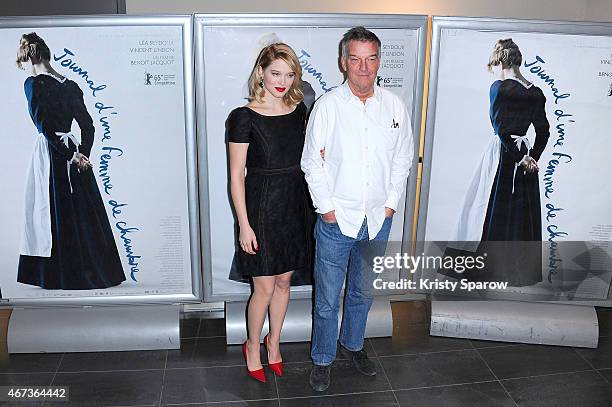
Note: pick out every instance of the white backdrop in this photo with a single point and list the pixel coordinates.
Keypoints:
(138, 109)
(229, 55)
(579, 71)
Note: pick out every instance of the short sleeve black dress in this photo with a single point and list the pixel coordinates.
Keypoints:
(277, 202)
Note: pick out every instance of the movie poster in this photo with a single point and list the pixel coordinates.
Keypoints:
(481, 186)
(94, 176)
(229, 55)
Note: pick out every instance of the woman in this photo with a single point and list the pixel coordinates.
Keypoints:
(266, 137)
(67, 242)
(506, 181)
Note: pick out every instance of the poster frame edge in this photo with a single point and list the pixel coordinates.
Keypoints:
(113, 20)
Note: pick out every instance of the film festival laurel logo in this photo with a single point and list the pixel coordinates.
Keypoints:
(389, 82)
(159, 79)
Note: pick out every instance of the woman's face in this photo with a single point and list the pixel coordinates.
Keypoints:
(278, 78)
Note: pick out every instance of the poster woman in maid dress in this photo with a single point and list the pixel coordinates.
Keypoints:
(501, 214)
(67, 241)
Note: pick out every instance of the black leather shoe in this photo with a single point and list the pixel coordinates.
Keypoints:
(361, 362)
(319, 377)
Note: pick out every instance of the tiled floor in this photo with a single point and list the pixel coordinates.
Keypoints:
(414, 369)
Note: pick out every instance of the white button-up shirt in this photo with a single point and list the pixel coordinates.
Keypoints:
(368, 154)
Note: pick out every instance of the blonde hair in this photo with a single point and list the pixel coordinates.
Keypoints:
(506, 53)
(31, 46)
(268, 55)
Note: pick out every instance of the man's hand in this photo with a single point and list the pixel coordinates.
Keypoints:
(329, 217)
(389, 212)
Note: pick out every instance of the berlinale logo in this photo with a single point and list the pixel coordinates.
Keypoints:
(159, 79)
(380, 81)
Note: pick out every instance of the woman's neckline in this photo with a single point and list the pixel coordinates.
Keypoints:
(276, 115)
(519, 81)
(53, 76)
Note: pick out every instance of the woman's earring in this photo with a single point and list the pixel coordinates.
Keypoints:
(261, 83)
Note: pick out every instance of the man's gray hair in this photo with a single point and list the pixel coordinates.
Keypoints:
(358, 34)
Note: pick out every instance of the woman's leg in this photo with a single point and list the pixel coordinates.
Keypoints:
(263, 290)
(278, 310)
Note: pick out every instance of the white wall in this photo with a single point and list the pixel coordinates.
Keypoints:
(576, 10)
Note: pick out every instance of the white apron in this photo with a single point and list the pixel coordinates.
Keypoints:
(36, 239)
(468, 231)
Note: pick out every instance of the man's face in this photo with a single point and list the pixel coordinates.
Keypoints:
(361, 66)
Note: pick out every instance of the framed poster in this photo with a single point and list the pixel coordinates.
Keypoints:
(227, 46)
(99, 177)
(516, 156)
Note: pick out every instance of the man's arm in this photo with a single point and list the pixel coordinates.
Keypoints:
(312, 162)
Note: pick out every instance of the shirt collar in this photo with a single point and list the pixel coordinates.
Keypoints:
(348, 94)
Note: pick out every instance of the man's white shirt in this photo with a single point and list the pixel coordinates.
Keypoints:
(368, 154)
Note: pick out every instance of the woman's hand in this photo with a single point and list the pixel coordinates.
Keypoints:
(247, 239)
(530, 165)
(81, 161)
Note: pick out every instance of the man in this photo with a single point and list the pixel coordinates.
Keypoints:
(356, 159)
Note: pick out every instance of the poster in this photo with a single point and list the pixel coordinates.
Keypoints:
(228, 55)
(573, 72)
(134, 85)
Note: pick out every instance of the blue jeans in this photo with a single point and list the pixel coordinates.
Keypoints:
(335, 253)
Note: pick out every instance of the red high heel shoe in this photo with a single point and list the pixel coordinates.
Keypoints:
(258, 374)
(277, 367)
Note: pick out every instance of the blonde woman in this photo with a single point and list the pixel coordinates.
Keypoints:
(266, 138)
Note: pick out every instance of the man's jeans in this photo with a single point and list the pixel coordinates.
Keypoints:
(333, 252)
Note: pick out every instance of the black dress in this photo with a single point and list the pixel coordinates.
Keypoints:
(512, 229)
(276, 195)
(83, 253)
(514, 212)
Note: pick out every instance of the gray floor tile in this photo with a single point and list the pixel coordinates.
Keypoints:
(482, 344)
(378, 399)
(607, 373)
(189, 327)
(198, 385)
(211, 327)
(434, 369)
(532, 360)
(416, 339)
(241, 403)
(295, 352)
(600, 358)
(584, 389)
(489, 394)
(110, 388)
(30, 362)
(135, 360)
(344, 379)
(207, 352)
